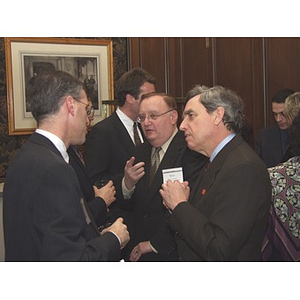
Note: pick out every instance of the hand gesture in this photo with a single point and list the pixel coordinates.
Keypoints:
(133, 173)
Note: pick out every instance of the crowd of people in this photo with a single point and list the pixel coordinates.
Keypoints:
(193, 192)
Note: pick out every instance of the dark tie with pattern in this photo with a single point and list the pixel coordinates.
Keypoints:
(136, 137)
(76, 150)
(155, 161)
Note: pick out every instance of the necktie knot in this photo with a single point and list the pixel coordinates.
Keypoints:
(155, 156)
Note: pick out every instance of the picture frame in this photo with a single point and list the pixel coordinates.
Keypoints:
(90, 60)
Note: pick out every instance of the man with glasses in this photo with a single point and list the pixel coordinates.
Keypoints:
(164, 152)
(45, 214)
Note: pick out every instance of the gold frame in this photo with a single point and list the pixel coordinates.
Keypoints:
(21, 122)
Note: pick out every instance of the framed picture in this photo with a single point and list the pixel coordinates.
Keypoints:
(90, 60)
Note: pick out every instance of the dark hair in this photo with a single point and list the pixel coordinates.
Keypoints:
(214, 97)
(294, 136)
(46, 95)
(130, 83)
(169, 100)
(281, 95)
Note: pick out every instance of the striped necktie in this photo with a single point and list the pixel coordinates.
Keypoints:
(136, 137)
(155, 161)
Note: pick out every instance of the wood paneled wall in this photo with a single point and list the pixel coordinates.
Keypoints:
(255, 68)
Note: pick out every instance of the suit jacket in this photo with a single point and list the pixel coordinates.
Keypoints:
(45, 217)
(97, 205)
(269, 146)
(226, 216)
(108, 146)
(149, 212)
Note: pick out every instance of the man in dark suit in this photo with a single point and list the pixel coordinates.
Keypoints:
(45, 215)
(110, 142)
(224, 217)
(272, 142)
(151, 239)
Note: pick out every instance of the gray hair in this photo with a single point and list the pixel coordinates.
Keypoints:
(218, 96)
(46, 95)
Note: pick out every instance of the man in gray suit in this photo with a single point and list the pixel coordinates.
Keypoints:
(224, 216)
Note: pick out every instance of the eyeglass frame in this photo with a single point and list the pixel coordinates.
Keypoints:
(152, 116)
(89, 110)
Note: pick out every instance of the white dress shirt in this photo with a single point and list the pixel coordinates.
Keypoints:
(58, 143)
(128, 123)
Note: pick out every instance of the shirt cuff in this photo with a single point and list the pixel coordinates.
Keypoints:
(154, 250)
(126, 192)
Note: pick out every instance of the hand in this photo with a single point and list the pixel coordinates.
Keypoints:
(174, 193)
(133, 173)
(139, 250)
(120, 230)
(107, 193)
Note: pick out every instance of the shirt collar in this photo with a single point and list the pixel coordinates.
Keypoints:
(58, 143)
(165, 146)
(124, 118)
(221, 146)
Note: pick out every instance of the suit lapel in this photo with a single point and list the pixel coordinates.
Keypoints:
(75, 159)
(41, 140)
(207, 177)
(45, 142)
(121, 133)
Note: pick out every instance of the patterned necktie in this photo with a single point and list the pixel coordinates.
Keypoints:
(155, 161)
(136, 137)
(79, 155)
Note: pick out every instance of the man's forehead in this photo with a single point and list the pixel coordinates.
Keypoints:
(153, 102)
(277, 107)
(193, 103)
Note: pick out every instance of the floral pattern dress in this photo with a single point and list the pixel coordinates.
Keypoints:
(283, 232)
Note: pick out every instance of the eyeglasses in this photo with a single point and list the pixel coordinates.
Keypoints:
(142, 118)
(89, 110)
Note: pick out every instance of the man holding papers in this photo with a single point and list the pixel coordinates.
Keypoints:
(164, 154)
(224, 215)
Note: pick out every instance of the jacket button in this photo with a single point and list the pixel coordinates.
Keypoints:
(145, 216)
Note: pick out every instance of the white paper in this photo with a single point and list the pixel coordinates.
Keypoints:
(173, 174)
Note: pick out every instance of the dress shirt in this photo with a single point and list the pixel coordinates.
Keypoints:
(58, 143)
(126, 192)
(221, 146)
(128, 123)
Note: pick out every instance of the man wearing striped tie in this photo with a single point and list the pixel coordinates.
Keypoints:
(165, 149)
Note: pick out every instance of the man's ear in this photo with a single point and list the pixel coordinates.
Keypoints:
(69, 102)
(218, 115)
(129, 98)
(174, 116)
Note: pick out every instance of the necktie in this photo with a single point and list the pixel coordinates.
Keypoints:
(79, 155)
(136, 137)
(155, 161)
